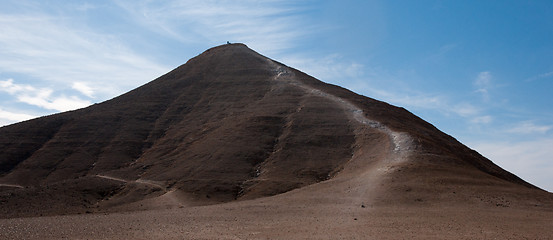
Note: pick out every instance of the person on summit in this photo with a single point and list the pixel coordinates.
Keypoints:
(228, 42)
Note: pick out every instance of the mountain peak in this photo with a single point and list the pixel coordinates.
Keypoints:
(228, 50)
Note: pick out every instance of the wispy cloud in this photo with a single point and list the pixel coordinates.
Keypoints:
(61, 63)
(440, 54)
(529, 127)
(51, 49)
(84, 89)
(42, 97)
(330, 68)
(482, 119)
(7, 117)
(540, 76)
(413, 100)
(268, 26)
(85, 6)
(530, 160)
(483, 82)
(465, 109)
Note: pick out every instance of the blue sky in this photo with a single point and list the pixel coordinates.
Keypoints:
(481, 71)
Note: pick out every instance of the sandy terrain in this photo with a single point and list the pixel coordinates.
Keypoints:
(299, 214)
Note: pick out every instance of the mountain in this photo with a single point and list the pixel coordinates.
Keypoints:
(232, 126)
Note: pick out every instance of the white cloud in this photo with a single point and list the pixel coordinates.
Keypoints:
(471, 112)
(482, 119)
(84, 89)
(61, 103)
(268, 26)
(440, 54)
(331, 68)
(530, 160)
(414, 100)
(483, 83)
(85, 7)
(438, 103)
(55, 50)
(528, 127)
(9, 117)
(11, 88)
(540, 76)
(42, 97)
(483, 80)
(465, 110)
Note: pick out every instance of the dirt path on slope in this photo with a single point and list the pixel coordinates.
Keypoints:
(170, 196)
(140, 181)
(10, 185)
(362, 175)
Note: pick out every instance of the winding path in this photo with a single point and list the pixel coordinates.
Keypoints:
(169, 197)
(141, 181)
(10, 185)
(362, 183)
